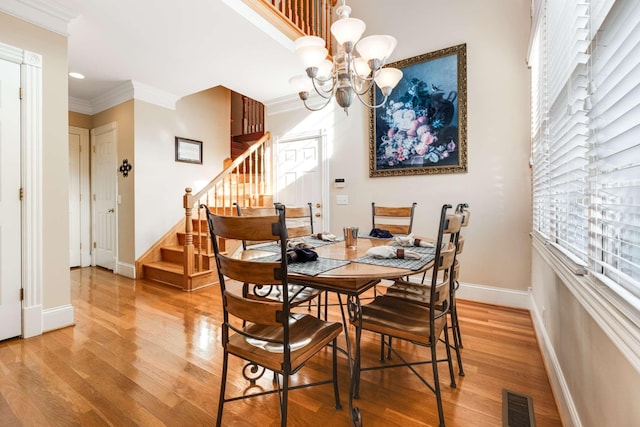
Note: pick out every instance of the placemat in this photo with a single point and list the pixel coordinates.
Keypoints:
(409, 264)
(309, 268)
(417, 249)
(275, 247)
(314, 241)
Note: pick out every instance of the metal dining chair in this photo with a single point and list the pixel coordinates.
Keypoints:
(420, 324)
(418, 293)
(271, 336)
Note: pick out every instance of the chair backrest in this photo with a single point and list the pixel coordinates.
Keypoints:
(254, 211)
(246, 270)
(463, 209)
(395, 219)
(449, 224)
(465, 213)
(299, 220)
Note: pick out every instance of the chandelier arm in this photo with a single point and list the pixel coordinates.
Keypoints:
(369, 85)
(320, 107)
(326, 94)
(366, 104)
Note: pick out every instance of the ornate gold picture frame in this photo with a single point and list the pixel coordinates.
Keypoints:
(422, 129)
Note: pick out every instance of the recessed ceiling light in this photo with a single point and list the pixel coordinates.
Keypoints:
(77, 75)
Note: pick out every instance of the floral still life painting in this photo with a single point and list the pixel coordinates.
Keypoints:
(422, 128)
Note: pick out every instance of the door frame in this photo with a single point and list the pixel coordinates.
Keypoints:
(31, 178)
(321, 136)
(85, 195)
(94, 132)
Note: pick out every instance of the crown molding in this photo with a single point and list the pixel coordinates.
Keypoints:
(78, 105)
(43, 13)
(116, 96)
(154, 96)
(123, 92)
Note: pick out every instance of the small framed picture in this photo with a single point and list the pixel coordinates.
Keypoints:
(188, 150)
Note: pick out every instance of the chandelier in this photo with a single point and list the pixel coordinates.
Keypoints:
(348, 75)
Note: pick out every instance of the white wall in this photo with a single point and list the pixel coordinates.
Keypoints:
(160, 180)
(594, 383)
(55, 160)
(497, 185)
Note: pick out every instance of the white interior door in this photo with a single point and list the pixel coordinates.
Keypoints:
(10, 208)
(79, 198)
(104, 191)
(300, 175)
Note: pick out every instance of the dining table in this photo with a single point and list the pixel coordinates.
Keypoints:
(348, 271)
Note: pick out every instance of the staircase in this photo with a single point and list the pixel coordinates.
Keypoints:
(184, 256)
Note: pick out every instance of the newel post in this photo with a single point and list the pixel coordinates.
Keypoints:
(188, 239)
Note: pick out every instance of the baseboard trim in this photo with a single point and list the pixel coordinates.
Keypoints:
(496, 296)
(56, 318)
(127, 270)
(566, 406)
(31, 321)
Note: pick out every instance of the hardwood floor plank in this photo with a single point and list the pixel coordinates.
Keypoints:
(150, 355)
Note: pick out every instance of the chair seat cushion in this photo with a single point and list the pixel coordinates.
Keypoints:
(401, 319)
(418, 293)
(307, 336)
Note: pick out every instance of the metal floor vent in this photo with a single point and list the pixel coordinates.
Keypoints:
(517, 410)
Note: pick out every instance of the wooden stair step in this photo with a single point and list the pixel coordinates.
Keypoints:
(165, 272)
(172, 274)
(175, 254)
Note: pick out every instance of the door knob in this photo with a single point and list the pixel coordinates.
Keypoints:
(318, 205)
(112, 210)
(317, 214)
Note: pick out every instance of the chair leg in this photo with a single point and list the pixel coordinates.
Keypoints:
(436, 383)
(382, 346)
(223, 383)
(449, 359)
(454, 314)
(356, 365)
(336, 389)
(284, 400)
(319, 305)
(456, 340)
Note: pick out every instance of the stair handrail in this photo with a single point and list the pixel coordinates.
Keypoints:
(194, 200)
(237, 162)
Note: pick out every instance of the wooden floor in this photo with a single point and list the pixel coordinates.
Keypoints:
(144, 354)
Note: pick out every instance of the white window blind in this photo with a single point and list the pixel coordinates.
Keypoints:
(614, 170)
(585, 131)
(539, 133)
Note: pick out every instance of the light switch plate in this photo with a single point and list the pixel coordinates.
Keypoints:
(342, 200)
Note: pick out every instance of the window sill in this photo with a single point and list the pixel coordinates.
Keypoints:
(619, 318)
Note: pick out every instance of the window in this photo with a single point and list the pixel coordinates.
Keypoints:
(585, 63)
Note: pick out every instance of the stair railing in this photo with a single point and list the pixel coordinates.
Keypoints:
(296, 18)
(244, 181)
(252, 116)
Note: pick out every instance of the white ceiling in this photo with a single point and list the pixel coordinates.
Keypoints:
(176, 47)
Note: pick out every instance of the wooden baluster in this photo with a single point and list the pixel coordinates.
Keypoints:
(188, 239)
(250, 180)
